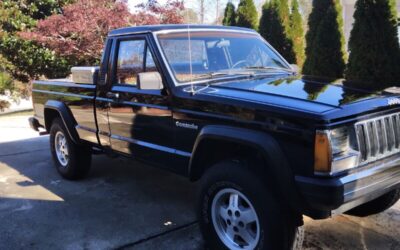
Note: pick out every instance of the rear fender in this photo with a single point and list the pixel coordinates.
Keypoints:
(53, 109)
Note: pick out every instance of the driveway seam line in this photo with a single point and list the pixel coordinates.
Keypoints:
(151, 237)
(24, 152)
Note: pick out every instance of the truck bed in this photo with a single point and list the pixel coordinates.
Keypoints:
(79, 98)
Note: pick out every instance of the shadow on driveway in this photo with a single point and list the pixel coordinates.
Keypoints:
(120, 203)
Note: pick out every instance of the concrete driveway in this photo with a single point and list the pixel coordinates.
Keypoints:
(125, 205)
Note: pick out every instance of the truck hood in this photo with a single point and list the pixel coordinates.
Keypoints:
(308, 94)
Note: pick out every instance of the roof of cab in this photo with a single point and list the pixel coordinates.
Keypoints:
(154, 28)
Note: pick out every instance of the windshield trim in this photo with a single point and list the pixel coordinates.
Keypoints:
(205, 81)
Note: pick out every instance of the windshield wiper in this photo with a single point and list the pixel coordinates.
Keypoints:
(237, 72)
(271, 68)
(209, 75)
(212, 75)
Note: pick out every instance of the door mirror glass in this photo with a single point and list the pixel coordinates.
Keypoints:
(149, 81)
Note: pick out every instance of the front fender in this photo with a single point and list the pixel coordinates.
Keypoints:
(278, 166)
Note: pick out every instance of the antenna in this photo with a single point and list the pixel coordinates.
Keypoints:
(192, 90)
(190, 53)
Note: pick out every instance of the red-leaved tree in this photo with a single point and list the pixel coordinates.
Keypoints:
(79, 32)
(171, 12)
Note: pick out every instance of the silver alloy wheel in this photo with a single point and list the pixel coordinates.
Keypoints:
(61, 147)
(235, 220)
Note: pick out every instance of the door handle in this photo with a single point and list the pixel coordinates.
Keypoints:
(112, 95)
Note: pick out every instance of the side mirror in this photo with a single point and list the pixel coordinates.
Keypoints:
(295, 68)
(149, 81)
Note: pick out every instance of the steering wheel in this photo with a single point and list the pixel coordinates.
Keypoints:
(238, 63)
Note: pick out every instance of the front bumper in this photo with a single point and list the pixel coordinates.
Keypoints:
(339, 194)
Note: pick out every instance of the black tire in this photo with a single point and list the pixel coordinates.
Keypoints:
(79, 157)
(376, 206)
(277, 230)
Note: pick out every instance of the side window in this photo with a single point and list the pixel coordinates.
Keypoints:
(150, 65)
(130, 61)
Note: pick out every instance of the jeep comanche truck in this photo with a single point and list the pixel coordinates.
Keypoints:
(220, 105)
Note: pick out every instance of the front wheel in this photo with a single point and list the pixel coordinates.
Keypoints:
(235, 219)
(72, 161)
(237, 211)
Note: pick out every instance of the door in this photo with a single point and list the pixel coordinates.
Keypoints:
(140, 121)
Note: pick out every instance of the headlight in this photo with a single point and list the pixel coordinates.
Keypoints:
(339, 138)
(335, 151)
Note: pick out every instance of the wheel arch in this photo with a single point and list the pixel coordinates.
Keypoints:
(256, 144)
(54, 109)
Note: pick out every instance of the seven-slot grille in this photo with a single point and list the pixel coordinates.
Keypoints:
(378, 137)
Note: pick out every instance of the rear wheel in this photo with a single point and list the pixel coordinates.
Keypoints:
(237, 211)
(72, 161)
(376, 206)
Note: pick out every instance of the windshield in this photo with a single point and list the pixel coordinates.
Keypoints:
(213, 54)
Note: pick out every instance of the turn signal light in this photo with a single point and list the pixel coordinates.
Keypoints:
(322, 153)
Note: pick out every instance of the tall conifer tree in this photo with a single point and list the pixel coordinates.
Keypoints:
(325, 51)
(275, 28)
(247, 14)
(374, 46)
(284, 12)
(296, 33)
(229, 15)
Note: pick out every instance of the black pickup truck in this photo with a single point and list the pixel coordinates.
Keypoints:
(220, 105)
